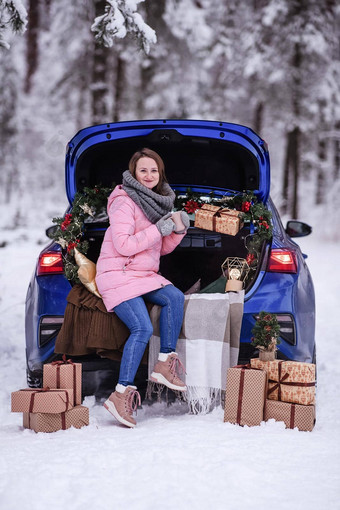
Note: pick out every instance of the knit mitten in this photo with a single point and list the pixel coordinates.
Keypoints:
(165, 225)
(184, 220)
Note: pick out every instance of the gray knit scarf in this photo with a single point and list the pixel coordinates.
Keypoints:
(153, 205)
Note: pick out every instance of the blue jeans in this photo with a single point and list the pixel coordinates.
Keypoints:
(134, 314)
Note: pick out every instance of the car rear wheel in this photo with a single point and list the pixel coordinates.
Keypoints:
(34, 379)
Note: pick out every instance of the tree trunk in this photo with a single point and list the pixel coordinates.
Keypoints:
(320, 185)
(9, 175)
(286, 174)
(99, 86)
(119, 89)
(297, 64)
(336, 171)
(154, 12)
(291, 173)
(296, 170)
(258, 117)
(32, 49)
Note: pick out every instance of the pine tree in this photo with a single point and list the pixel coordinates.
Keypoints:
(13, 19)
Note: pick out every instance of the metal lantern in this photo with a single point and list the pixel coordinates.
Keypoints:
(235, 270)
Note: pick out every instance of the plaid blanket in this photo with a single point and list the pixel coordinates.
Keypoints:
(208, 345)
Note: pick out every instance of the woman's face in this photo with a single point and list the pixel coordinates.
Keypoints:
(147, 172)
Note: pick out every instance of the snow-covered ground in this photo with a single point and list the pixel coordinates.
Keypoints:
(171, 460)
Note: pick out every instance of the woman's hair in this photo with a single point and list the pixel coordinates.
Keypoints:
(148, 153)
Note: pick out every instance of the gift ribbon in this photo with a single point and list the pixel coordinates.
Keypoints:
(63, 421)
(30, 409)
(219, 214)
(58, 364)
(42, 390)
(292, 416)
(240, 397)
(243, 368)
(288, 383)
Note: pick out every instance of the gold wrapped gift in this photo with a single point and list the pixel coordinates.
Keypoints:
(289, 381)
(218, 219)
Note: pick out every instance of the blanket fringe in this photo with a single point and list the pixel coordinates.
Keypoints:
(203, 400)
(160, 393)
(199, 400)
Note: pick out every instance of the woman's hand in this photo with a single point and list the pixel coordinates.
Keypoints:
(165, 225)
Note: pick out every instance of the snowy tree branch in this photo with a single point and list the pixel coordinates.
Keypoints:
(13, 19)
(120, 18)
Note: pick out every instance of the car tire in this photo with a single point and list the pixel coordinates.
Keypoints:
(34, 380)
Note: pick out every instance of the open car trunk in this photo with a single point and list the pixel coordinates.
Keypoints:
(201, 155)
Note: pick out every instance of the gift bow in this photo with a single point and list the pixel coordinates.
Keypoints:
(63, 361)
(282, 379)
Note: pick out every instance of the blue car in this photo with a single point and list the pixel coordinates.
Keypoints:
(211, 159)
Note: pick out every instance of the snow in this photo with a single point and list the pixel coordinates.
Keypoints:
(121, 18)
(171, 459)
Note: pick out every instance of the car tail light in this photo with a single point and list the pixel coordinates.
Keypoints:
(282, 261)
(50, 263)
(49, 327)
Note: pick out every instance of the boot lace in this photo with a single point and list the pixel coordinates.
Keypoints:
(133, 401)
(176, 366)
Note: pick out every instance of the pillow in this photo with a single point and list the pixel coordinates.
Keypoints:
(86, 272)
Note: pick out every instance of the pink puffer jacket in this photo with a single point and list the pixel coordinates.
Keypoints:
(128, 263)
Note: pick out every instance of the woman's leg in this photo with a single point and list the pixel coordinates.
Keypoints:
(171, 300)
(136, 317)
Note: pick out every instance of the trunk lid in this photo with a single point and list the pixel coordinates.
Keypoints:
(203, 155)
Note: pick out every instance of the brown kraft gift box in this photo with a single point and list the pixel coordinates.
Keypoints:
(45, 422)
(64, 374)
(289, 381)
(41, 400)
(245, 396)
(219, 219)
(293, 415)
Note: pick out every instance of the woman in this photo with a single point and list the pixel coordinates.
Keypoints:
(142, 229)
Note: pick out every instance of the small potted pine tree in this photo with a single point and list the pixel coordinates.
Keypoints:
(266, 335)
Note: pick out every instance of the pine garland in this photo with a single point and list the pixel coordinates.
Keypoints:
(253, 211)
(69, 232)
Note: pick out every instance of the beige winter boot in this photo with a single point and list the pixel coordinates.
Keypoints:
(122, 403)
(165, 372)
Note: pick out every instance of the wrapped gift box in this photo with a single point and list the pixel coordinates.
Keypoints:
(293, 415)
(42, 400)
(46, 422)
(219, 219)
(64, 374)
(245, 396)
(289, 381)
